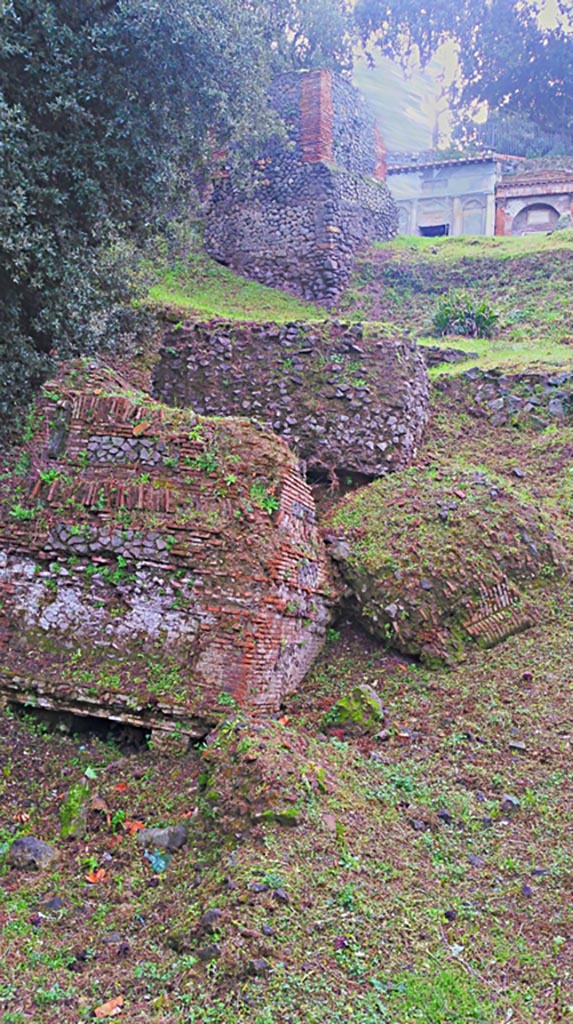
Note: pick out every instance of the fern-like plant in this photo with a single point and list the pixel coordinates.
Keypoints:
(460, 313)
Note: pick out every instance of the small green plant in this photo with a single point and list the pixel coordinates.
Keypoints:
(207, 461)
(48, 476)
(24, 515)
(261, 496)
(22, 466)
(459, 313)
(226, 700)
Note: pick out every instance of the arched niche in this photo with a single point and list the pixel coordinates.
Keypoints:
(535, 217)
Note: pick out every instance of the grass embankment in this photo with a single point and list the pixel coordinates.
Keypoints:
(204, 288)
(527, 280)
(429, 883)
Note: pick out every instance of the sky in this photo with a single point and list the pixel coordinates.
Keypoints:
(407, 106)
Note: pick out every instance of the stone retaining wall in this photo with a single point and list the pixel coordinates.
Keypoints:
(345, 399)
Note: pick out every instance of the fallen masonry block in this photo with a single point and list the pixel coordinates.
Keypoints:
(156, 567)
(352, 404)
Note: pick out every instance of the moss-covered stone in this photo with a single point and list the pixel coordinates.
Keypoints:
(74, 811)
(443, 555)
(359, 712)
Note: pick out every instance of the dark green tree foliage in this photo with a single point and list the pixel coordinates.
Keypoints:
(307, 33)
(506, 57)
(105, 110)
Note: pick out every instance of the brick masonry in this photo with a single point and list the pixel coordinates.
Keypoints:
(155, 565)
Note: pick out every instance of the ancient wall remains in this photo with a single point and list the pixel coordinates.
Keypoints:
(316, 198)
(155, 566)
(348, 401)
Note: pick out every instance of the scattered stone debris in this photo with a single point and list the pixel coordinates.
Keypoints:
(169, 839)
(30, 854)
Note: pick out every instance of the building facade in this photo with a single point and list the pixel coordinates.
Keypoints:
(484, 195)
(445, 197)
(533, 201)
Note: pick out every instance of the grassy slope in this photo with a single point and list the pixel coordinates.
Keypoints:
(528, 280)
(203, 287)
(394, 915)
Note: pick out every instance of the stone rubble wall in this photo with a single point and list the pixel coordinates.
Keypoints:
(345, 400)
(316, 198)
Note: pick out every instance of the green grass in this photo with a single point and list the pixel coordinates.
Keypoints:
(470, 247)
(201, 286)
(526, 280)
(467, 922)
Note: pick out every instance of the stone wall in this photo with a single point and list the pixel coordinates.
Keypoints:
(348, 401)
(316, 197)
(154, 566)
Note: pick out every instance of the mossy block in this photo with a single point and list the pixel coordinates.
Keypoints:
(74, 810)
(360, 712)
(290, 817)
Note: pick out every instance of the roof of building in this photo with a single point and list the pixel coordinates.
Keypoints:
(422, 161)
(539, 177)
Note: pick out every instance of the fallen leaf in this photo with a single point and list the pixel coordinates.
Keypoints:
(94, 877)
(121, 787)
(140, 428)
(133, 826)
(97, 803)
(110, 1009)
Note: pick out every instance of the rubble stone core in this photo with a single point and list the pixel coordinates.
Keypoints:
(348, 401)
(316, 197)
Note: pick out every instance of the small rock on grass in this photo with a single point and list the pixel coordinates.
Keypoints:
(259, 967)
(210, 920)
(169, 839)
(208, 953)
(360, 712)
(509, 804)
(445, 817)
(30, 854)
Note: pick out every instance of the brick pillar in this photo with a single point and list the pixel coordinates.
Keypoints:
(500, 224)
(317, 118)
(380, 154)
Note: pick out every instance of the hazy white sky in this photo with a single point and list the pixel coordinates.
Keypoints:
(408, 106)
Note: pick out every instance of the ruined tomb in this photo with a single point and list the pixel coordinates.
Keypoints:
(352, 404)
(155, 566)
(316, 197)
(440, 557)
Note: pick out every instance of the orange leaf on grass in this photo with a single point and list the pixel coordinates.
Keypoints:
(94, 877)
(133, 826)
(110, 1009)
